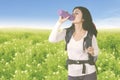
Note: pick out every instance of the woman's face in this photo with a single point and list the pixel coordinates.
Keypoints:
(78, 16)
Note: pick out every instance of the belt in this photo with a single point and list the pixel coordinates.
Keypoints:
(69, 61)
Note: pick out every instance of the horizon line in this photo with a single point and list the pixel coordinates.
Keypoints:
(38, 27)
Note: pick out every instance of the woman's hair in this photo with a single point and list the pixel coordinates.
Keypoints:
(87, 23)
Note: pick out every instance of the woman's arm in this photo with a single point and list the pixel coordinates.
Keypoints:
(57, 34)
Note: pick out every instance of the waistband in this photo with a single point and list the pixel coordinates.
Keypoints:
(69, 62)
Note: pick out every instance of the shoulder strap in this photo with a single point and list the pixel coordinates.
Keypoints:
(87, 43)
(69, 33)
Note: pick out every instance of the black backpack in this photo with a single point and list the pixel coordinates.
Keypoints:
(86, 43)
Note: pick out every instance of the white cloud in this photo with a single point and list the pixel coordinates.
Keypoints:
(113, 22)
(26, 24)
(44, 24)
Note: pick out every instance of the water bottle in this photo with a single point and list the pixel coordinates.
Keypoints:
(65, 14)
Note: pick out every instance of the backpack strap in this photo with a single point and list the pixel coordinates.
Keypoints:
(87, 43)
(69, 33)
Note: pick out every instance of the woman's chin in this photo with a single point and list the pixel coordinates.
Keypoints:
(73, 22)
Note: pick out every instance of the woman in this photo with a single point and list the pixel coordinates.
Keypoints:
(80, 53)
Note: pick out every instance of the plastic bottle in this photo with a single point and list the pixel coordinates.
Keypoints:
(65, 14)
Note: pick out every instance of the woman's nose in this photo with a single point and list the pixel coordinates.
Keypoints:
(74, 15)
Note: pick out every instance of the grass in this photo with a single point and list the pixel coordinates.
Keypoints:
(26, 54)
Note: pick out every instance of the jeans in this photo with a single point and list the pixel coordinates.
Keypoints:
(92, 76)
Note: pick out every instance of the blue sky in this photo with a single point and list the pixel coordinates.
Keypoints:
(43, 13)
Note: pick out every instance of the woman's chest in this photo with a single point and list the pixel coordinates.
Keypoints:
(75, 45)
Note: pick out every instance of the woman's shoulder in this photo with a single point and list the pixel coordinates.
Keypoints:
(69, 29)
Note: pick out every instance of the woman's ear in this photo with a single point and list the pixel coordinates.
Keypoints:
(82, 20)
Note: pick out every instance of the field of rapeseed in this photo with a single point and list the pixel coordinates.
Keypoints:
(28, 55)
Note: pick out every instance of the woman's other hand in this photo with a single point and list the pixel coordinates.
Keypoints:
(90, 50)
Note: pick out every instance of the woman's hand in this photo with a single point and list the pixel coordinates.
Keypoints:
(62, 20)
(90, 50)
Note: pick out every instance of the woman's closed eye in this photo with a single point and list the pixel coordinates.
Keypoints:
(76, 13)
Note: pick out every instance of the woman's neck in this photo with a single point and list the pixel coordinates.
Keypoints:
(78, 28)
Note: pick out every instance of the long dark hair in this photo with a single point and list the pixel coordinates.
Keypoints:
(87, 23)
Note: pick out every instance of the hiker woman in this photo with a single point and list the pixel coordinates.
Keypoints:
(81, 44)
